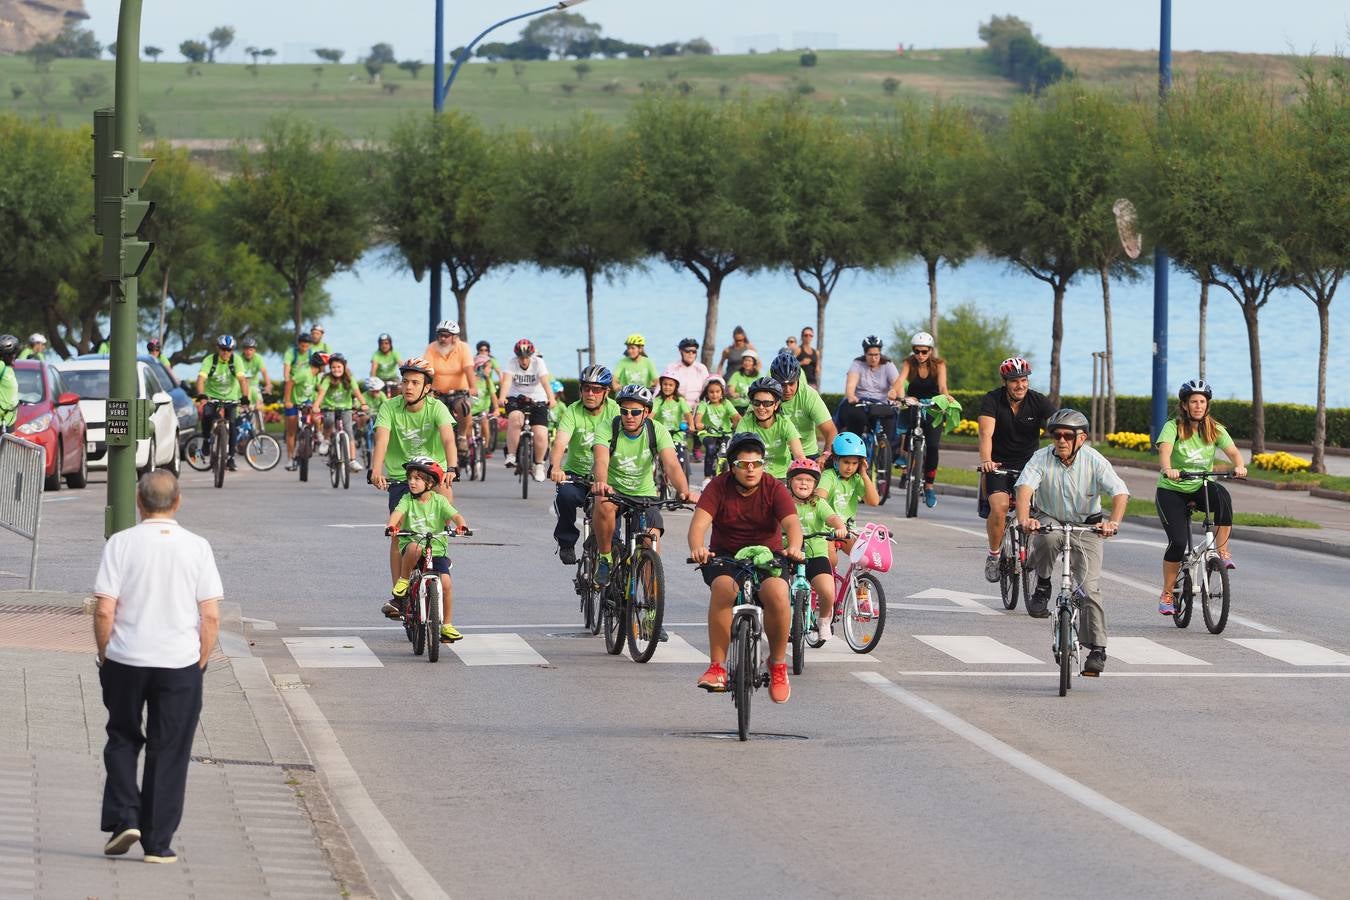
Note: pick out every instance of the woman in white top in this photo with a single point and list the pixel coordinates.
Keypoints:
(525, 392)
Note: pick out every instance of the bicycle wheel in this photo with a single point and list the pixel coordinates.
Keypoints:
(646, 607)
(881, 471)
(1009, 578)
(196, 454)
(262, 452)
(1024, 569)
(812, 638)
(864, 613)
(745, 673)
(801, 605)
(914, 475)
(482, 453)
(586, 590)
(344, 448)
(471, 460)
(304, 449)
(494, 434)
(1063, 636)
(431, 590)
(220, 451)
(412, 619)
(1183, 601)
(1214, 595)
(611, 605)
(525, 461)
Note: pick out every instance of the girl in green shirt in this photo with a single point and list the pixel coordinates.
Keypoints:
(816, 516)
(338, 395)
(782, 443)
(669, 408)
(714, 418)
(740, 381)
(846, 482)
(384, 361)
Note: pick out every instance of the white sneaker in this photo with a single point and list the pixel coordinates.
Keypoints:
(822, 631)
(323, 448)
(354, 465)
(538, 472)
(510, 460)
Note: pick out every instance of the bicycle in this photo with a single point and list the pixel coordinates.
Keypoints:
(583, 581)
(859, 600)
(681, 440)
(424, 606)
(365, 440)
(1015, 576)
(1064, 642)
(635, 598)
(261, 451)
(805, 608)
(719, 450)
(1202, 567)
(525, 446)
(476, 452)
(877, 439)
(916, 448)
(306, 441)
(210, 454)
(340, 453)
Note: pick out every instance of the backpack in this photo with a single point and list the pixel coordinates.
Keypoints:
(616, 429)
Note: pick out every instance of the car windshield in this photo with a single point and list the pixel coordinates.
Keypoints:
(30, 385)
(90, 384)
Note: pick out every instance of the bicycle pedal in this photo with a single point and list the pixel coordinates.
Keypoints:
(1086, 674)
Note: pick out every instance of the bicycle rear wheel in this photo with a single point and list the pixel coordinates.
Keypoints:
(745, 672)
(590, 611)
(801, 606)
(494, 433)
(471, 459)
(882, 461)
(220, 451)
(646, 606)
(1009, 578)
(1063, 636)
(1214, 595)
(413, 618)
(262, 452)
(525, 460)
(1183, 601)
(344, 446)
(914, 475)
(812, 639)
(481, 454)
(304, 449)
(612, 612)
(431, 589)
(864, 613)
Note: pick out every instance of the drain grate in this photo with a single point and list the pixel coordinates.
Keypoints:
(733, 736)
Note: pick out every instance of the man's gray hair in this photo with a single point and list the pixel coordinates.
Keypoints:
(157, 491)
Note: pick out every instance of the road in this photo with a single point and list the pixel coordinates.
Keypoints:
(548, 766)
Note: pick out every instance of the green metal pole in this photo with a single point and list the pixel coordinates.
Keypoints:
(121, 512)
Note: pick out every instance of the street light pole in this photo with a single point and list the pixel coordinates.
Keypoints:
(1161, 267)
(468, 48)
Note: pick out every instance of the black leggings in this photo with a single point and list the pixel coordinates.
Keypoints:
(1172, 513)
(932, 435)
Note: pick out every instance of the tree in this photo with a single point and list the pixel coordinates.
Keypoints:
(112, 49)
(582, 69)
(974, 345)
(561, 202)
(219, 38)
(700, 47)
(72, 42)
(373, 70)
(254, 53)
(153, 52)
(1020, 55)
(559, 31)
(694, 190)
(329, 54)
(193, 51)
(411, 66)
(86, 87)
(437, 203)
(299, 205)
(382, 53)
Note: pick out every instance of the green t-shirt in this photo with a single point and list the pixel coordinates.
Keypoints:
(631, 465)
(843, 495)
(1190, 455)
(412, 433)
(164, 358)
(9, 395)
(716, 419)
(777, 442)
(222, 378)
(295, 359)
(808, 412)
(813, 514)
(635, 371)
(304, 384)
(670, 413)
(320, 347)
(386, 365)
(29, 353)
(586, 431)
(253, 369)
(338, 394)
(432, 513)
(739, 382)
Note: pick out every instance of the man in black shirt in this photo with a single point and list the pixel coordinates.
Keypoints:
(1010, 419)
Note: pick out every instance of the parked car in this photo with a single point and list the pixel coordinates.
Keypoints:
(183, 406)
(89, 379)
(50, 416)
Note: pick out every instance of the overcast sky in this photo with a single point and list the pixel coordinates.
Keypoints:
(294, 27)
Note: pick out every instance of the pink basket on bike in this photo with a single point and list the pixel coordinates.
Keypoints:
(872, 549)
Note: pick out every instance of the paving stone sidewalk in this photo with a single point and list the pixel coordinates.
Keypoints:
(248, 830)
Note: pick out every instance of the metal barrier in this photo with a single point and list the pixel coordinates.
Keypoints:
(1097, 410)
(22, 471)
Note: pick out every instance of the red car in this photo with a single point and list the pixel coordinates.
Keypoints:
(49, 415)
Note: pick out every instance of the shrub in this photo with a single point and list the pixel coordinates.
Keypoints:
(808, 59)
(968, 427)
(1129, 440)
(890, 86)
(1280, 462)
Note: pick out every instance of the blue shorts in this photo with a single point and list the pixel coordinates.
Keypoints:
(291, 411)
(397, 491)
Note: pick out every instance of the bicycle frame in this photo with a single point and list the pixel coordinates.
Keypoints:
(1069, 600)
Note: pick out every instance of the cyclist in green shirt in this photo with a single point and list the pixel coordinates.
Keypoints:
(489, 371)
(338, 394)
(223, 383)
(638, 445)
(424, 510)
(738, 385)
(846, 482)
(258, 379)
(37, 347)
(634, 367)
(9, 383)
(804, 406)
(669, 408)
(714, 418)
(297, 355)
(384, 361)
(782, 443)
(816, 515)
(302, 380)
(578, 427)
(156, 349)
(316, 337)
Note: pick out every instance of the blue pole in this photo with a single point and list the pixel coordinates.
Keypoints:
(468, 48)
(1161, 265)
(437, 104)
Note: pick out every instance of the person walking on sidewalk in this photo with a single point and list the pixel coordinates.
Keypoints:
(158, 614)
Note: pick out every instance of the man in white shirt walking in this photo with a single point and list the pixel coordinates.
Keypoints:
(158, 615)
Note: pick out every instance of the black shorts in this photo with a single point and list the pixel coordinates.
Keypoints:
(654, 519)
(712, 571)
(817, 565)
(440, 565)
(998, 484)
(534, 410)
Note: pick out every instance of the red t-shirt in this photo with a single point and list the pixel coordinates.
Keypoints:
(740, 521)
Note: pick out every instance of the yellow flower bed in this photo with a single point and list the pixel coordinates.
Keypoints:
(1280, 462)
(967, 427)
(1129, 440)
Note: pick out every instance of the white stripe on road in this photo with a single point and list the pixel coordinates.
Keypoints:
(1255, 626)
(678, 650)
(976, 649)
(1296, 653)
(1080, 793)
(943, 673)
(572, 625)
(1140, 651)
(979, 609)
(338, 652)
(351, 794)
(496, 650)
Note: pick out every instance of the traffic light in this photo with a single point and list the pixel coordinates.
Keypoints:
(119, 215)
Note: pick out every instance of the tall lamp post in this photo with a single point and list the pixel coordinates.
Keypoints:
(441, 88)
(1161, 266)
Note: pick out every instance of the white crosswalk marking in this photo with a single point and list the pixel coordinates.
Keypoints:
(1296, 653)
(976, 649)
(836, 649)
(1140, 651)
(338, 652)
(507, 649)
(678, 650)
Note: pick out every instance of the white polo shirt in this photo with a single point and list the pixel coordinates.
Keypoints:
(158, 571)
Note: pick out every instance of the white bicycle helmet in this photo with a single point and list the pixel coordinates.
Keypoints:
(373, 384)
(445, 325)
(922, 339)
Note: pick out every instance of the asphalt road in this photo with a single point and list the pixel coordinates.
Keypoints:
(904, 772)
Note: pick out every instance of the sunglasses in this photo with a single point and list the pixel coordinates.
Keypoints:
(922, 350)
(593, 389)
(689, 350)
(763, 404)
(1065, 435)
(631, 413)
(749, 465)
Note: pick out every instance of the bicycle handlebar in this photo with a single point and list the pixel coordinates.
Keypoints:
(646, 502)
(428, 535)
(999, 471)
(1187, 476)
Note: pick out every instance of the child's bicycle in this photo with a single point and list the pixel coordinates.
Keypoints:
(859, 601)
(424, 607)
(805, 607)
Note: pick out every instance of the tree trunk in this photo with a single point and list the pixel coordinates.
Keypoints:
(590, 316)
(1249, 315)
(714, 285)
(1110, 353)
(932, 262)
(462, 306)
(1319, 464)
(297, 304)
(163, 301)
(1056, 341)
(822, 299)
(1204, 315)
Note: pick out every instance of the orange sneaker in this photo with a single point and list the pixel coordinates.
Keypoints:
(779, 689)
(714, 681)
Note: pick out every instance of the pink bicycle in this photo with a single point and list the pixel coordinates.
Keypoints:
(859, 601)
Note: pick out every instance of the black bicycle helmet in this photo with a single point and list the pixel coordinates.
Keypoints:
(225, 342)
(249, 342)
(871, 342)
(745, 440)
(304, 337)
(1195, 386)
(9, 346)
(1066, 418)
(785, 368)
(688, 344)
(318, 360)
(636, 392)
(600, 375)
(759, 385)
(336, 357)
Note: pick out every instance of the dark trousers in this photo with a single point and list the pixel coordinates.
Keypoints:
(570, 498)
(213, 408)
(173, 701)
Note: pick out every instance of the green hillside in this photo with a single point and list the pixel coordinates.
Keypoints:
(230, 101)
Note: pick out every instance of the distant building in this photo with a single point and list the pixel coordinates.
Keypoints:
(24, 23)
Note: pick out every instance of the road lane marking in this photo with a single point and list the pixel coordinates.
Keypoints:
(678, 650)
(963, 599)
(260, 624)
(933, 607)
(1140, 651)
(1296, 653)
(497, 650)
(1255, 626)
(573, 625)
(337, 652)
(351, 794)
(836, 649)
(942, 673)
(976, 649)
(1080, 793)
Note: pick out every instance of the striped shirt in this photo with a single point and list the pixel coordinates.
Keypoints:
(1070, 493)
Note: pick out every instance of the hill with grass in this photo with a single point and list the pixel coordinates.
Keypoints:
(223, 102)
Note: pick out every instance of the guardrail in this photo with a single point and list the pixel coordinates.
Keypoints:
(22, 471)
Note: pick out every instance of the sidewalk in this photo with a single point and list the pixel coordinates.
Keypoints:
(1333, 538)
(253, 797)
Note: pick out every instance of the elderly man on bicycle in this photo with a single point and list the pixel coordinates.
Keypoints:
(745, 508)
(1067, 480)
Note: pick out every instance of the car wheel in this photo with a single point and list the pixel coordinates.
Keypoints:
(80, 477)
(52, 482)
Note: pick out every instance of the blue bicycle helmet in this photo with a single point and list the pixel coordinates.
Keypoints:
(225, 342)
(557, 386)
(600, 375)
(635, 392)
(785, 368)
(848, 444)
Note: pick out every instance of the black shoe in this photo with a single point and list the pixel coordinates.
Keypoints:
(567, 554)
(1095, 662)
(1038, 604)
(121, 840)
(230, 465)
(292, 466)
(663, 637)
